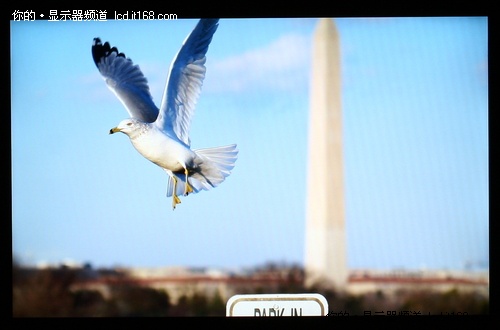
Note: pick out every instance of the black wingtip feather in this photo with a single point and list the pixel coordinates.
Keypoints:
(99, 50)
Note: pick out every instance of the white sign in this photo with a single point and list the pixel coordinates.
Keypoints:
(303, 304)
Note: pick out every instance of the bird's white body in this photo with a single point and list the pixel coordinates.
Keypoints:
(161, 134)
(160, 148)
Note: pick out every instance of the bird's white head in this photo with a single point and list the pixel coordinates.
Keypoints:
(131, 127)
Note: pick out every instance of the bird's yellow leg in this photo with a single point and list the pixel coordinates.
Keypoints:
(175, 199)
(187, 187)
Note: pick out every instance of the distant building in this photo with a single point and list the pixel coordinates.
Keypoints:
(178, 281)
(391, 282)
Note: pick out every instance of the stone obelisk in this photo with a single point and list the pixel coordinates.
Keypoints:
(325, 255)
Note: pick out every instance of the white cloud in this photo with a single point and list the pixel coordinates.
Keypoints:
(282, 65)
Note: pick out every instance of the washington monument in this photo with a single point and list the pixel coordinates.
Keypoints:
(325, 254)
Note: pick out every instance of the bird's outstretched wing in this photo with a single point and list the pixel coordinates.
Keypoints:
(126, 80)
(185, 79)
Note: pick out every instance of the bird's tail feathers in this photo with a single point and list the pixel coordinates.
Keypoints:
(213, 165)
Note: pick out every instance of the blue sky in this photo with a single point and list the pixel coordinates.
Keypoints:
(415, 120)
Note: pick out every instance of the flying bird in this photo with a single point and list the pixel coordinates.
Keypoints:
(162, 134)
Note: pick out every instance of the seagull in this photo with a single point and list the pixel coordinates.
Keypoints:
(161, 134)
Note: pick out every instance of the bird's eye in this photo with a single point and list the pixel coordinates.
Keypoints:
(129, 124)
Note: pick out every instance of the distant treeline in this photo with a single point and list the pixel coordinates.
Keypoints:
(50, 293)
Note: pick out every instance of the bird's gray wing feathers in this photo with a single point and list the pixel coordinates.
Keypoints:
(126, 80)
(185, 79)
